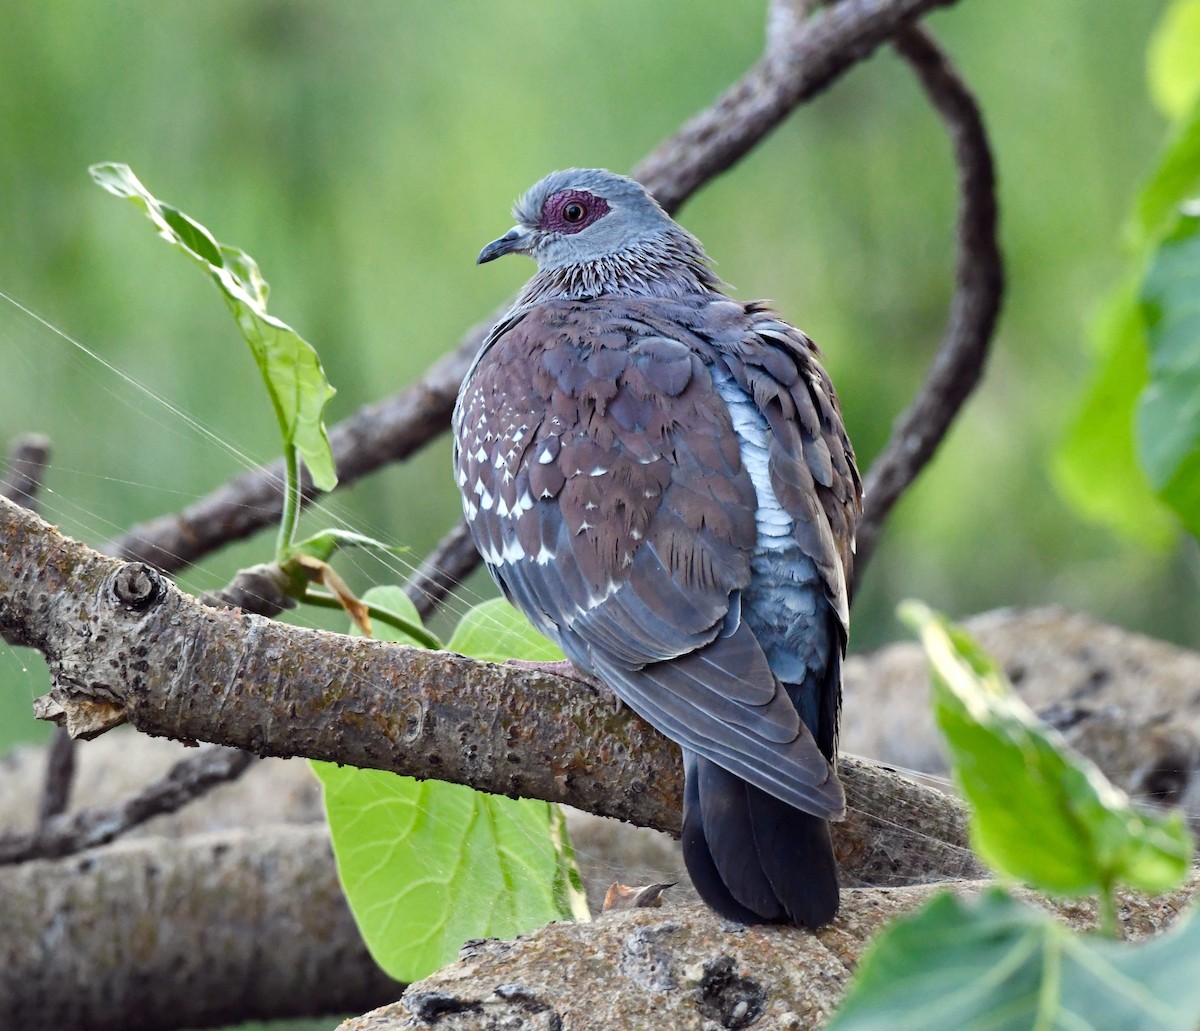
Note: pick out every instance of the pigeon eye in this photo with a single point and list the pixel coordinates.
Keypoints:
(571, 211)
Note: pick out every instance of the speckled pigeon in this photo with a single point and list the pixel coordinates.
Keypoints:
(659, 477)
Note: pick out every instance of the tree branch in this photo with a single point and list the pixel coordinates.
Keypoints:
(680, 968)
(123, 645)
(187, 780)
(451, 561)
(27, 461)
(201, 932)
(978, 288)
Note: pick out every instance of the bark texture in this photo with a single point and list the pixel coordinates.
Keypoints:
(684, 969)
(159, 933)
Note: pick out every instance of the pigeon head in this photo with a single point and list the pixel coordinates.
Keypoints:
(579, 216)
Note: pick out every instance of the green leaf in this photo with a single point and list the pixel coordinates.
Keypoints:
(1168, 421)
(392, 599)
(1176, 178)
(405, 626)
(322, 545)
(993, 964)
(1096, 466)
(1174, 64)
(427, 866)
(289, 365)
(495, 631)
(1040, 812)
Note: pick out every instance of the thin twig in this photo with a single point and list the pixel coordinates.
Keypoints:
(978, 289)
(65, 835)
(59, 777)
(27, 461)
(444, 568)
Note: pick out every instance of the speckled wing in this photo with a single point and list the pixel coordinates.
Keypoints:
(604, 487)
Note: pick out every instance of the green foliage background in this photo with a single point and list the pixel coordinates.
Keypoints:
(364, 152)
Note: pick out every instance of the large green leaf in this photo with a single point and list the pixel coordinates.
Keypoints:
(1096, 465)
(495, 631)
(1169, 411)
(993, 964)
(427, 865)
(1040, 812)
(289, 365)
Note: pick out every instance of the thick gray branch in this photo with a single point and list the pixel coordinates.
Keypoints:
(160, 933)
(680, 968)
(123, 645)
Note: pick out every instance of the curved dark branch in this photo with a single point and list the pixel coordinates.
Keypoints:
(978, 288)
(804, 56)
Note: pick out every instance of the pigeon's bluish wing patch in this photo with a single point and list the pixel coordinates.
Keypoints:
(787, 415)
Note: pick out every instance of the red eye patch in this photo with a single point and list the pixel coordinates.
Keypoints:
(569, 211)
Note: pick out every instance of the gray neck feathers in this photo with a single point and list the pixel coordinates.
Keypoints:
(669, 265)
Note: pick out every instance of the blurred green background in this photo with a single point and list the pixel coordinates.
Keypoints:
(363, 153)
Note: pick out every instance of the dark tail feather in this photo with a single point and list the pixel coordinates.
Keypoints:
(753, 858)
(797, 857)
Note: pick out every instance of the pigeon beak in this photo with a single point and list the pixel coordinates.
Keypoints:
(516, 239)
